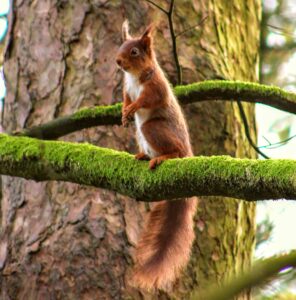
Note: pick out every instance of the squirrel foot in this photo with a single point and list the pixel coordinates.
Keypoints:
(141, 156)
(156, 161)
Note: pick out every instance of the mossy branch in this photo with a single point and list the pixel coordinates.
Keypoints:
(196, 92)
(119, 171)
(84, 118)
(257, 276)
(237, 90)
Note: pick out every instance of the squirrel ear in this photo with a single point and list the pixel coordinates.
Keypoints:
(146, 39)
(125, 31)
(148, 31)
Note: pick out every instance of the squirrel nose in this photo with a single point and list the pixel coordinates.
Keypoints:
(118, 61)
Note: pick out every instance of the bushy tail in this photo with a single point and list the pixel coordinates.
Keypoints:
(165, 246)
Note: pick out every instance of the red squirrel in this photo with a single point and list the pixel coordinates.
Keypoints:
(165, 246)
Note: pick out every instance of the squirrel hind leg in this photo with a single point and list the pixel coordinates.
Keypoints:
(142, 156)
(164, 141)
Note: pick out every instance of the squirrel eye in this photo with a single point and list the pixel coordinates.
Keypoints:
(135, 51)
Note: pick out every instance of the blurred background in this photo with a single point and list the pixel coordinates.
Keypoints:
(276, 221)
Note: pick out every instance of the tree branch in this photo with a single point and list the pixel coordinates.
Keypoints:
(277, 144)
(257, 276)
(201, 91)
(119, 171)
(169, 14)
(158, 6)
(174, 42)
(247, 130)
(84, 118)
(281, 30)
(237, 90)
(191, 27)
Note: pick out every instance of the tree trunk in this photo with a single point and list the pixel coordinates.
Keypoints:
(65, 241)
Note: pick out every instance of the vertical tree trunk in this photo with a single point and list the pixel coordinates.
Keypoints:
(65, 241)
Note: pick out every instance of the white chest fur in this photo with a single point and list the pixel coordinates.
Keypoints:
(134, 88)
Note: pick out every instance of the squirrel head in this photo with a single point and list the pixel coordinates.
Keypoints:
(135, 54)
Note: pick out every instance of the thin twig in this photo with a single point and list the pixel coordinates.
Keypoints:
(169, 15)
(278, 144)
(247, 132)
(158, 6)
(191, 27)
(281, 30)
(267, 140)
(173, 36)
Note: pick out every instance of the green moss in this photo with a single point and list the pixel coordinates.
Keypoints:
(119, 171)
(28, 149)
(234, 86)
(98, 112)
(206, 90)
(210, 89)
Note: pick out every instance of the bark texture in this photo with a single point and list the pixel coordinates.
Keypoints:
(74, 242)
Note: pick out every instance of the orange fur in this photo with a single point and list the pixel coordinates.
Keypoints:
(164, 248)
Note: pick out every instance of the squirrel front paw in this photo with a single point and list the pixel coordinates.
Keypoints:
(125, 121)
(129, 111)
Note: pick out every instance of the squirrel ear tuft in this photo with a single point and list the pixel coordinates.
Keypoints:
(148, 31)
(146, 39)
(125, 31)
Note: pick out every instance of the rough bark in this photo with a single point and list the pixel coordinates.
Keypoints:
(227, 49)
(248, 179)
(75, 242)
